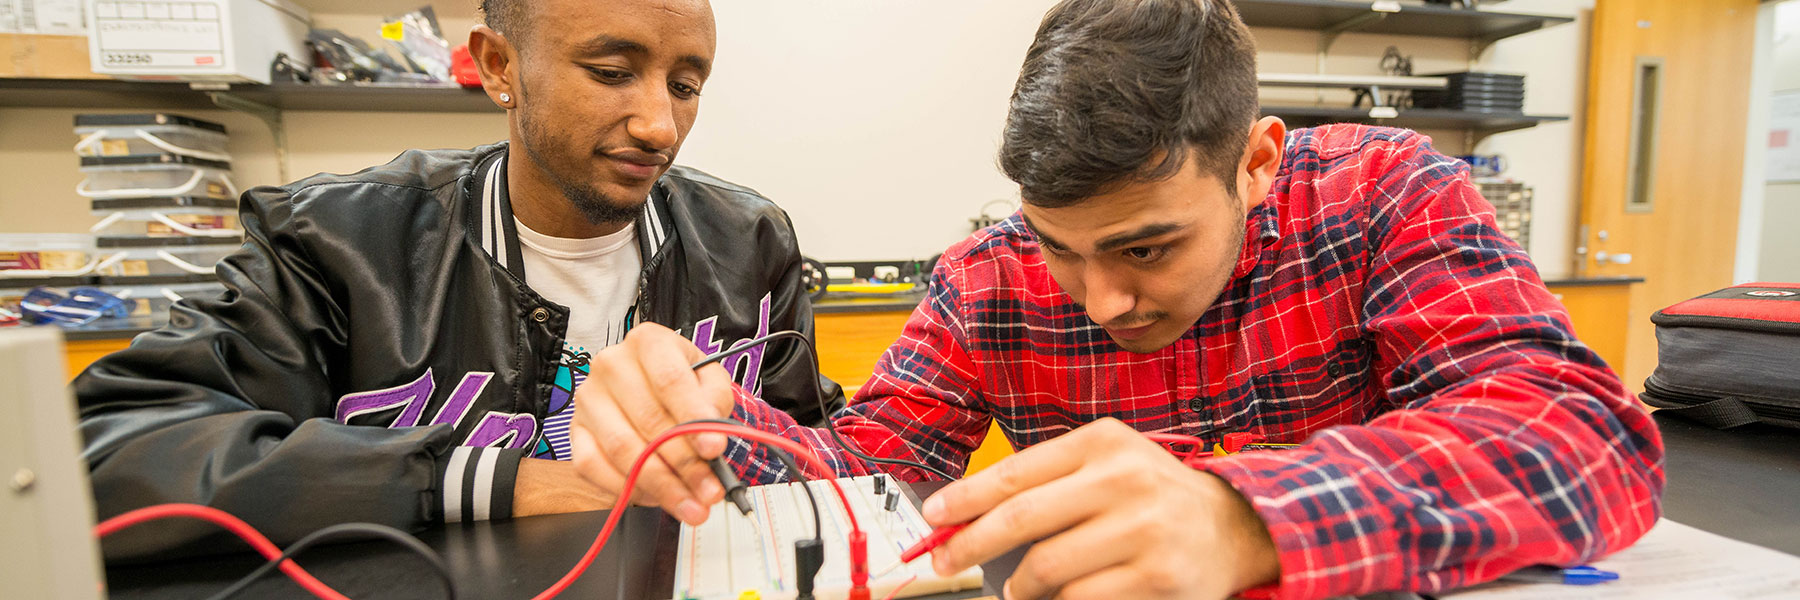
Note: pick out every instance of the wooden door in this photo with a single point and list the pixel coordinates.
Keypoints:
(1667, 88)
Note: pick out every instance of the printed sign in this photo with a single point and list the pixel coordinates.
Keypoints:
(154, 35)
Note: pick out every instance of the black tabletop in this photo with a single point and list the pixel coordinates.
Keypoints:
(1743, 484)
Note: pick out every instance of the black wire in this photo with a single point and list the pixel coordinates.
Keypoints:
(367, 530)
(786, 460)
(819, 394)
(345, 530)
(794, 467)
(801, 553)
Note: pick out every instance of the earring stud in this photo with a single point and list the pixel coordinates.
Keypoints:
(505, 98)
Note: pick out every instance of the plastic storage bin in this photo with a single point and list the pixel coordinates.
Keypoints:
(171, 261)
(175, 205)
(40, 255)
(207, 223)
(150, 133)
(155, 175)
(150, 299)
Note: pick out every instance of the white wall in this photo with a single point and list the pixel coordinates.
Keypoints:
(874, 122)
(1549, 156)
(1778, 258)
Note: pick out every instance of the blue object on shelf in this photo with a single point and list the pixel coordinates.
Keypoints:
(76, 306)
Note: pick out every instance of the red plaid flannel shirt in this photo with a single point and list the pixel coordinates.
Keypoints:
(1452, 427)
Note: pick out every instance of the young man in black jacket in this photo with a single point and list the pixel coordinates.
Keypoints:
(400, 346)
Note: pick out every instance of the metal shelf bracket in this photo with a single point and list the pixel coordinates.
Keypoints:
(269, 115)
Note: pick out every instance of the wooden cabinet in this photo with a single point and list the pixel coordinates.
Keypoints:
(1601, 313)
(849, 345)
(81, 353)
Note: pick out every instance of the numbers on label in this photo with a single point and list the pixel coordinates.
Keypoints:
(125, 58)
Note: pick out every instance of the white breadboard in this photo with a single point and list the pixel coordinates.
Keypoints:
(732, 553)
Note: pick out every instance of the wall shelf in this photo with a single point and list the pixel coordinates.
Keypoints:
(1482, 124)
(1333, 18)
(458, 9)
(150, 95)
(1393, 18)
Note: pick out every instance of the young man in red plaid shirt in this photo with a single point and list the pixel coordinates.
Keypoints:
(1180, 266)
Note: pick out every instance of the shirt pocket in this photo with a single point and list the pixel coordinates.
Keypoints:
(1310, 393)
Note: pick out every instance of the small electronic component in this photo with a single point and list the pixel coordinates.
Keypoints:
(893, 500)
(731, 552)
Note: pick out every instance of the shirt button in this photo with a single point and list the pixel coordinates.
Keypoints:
(1197, 404)
(540, 315)
(1335, 369)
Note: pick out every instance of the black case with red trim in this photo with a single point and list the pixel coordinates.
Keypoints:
(1731, 357)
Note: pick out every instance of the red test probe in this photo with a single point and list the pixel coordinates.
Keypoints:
(1194, 452)
(930, 542)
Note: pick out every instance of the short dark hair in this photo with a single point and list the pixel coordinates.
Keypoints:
(1109, 86)
(505, 16)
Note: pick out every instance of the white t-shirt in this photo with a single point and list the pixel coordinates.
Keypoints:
(597, 279)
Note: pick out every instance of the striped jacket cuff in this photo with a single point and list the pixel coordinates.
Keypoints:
(476, 484)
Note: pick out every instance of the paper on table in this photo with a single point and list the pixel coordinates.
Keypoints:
(1673, 561)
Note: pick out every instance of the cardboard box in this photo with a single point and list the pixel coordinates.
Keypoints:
(30, 55)
(214, 41)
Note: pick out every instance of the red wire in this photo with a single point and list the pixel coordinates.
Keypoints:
(1187, 457)
(799, 452)
(896, 593)
(230, 523)
(318, 588)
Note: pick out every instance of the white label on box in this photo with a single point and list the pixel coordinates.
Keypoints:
(45, 17)
(149, 41)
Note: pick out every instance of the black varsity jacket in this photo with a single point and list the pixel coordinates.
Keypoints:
(379, 357)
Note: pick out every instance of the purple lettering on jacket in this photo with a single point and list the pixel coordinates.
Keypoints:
(751, 360)
(498, 429)
(520, 430)
(703, 335)
(414, 395)
(462, 398)
(745, 367)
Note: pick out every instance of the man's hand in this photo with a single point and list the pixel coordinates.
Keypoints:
(636, 390)
(1118, 516)
(546, 487)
